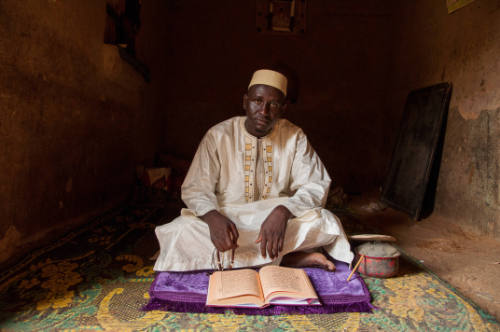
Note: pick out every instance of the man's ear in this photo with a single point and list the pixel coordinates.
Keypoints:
(245, 101)
(284, 107)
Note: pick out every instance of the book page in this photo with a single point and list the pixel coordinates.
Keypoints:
(236, 283)
(282, 280)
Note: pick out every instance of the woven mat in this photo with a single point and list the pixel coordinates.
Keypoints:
(98, 278)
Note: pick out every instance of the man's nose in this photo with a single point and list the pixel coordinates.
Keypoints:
(264, 108)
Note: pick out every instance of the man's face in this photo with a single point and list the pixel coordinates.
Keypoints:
(264, 105)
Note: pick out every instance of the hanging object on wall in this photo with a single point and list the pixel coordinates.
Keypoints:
(281, 16)
(454, 5)
(122, 25)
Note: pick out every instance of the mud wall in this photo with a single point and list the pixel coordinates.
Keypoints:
(462, 48)
(72, 121)
(341, 65)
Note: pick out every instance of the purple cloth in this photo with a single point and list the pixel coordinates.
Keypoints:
(187, 292)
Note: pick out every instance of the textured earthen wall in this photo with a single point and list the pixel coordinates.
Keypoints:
(462, 48)
(72, 122)
(341, 63)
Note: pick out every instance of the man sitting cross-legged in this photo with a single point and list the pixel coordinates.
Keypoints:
(255, 185)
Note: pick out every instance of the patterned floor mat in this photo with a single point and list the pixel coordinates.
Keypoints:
(98, 279)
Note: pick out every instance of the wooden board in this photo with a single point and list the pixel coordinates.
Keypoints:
(414, 157)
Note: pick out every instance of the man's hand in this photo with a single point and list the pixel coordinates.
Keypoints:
(272, 231)
(223, 232)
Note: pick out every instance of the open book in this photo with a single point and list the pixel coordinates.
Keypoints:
(252, 289)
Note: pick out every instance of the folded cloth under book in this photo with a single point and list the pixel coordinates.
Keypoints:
(187, 292)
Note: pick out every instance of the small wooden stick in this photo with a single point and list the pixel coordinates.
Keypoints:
(218, 261)
(356, 266)
(232, 259)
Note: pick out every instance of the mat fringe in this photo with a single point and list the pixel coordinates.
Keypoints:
(196, 307)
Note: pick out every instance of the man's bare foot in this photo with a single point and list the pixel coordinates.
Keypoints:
(307, 259)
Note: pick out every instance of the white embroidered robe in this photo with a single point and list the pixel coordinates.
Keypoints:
(245, 178)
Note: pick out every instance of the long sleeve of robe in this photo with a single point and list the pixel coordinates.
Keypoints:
(198, 190)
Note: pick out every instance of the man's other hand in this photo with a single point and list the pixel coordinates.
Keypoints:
(223, 232)
(272, 231)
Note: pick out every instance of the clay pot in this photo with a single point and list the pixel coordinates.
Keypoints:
(382, 267)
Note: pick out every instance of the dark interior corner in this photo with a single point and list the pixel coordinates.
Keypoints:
(79, 118)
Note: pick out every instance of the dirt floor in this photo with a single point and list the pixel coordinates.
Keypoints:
(468, 262)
